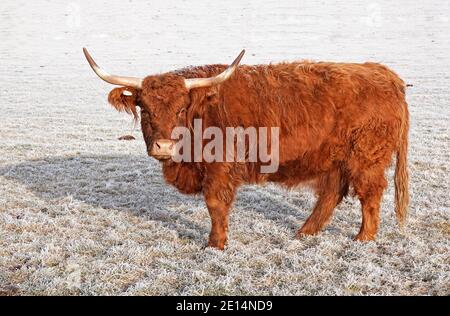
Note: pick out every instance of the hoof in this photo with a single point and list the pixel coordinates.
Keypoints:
(364, 237)
(216, 245)
(306, 232)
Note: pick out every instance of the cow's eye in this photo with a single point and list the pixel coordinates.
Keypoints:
(181, 112)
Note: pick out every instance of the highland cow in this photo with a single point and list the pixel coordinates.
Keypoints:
(339, 126)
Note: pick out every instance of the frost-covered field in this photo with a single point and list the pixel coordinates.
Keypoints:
(84, 213)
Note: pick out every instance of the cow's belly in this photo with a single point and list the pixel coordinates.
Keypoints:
(308, 165)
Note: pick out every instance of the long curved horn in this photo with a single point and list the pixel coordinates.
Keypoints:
(208, 82)
(117, 80)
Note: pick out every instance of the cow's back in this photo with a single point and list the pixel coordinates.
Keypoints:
(318, 106)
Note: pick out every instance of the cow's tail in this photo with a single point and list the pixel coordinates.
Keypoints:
(401, 170)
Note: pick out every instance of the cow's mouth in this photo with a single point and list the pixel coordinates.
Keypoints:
(161, 157)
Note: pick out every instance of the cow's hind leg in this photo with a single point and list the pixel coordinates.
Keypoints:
(371, 154)
(331, 189)
(369, 187)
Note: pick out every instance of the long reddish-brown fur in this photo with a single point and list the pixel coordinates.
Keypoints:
(340, 124)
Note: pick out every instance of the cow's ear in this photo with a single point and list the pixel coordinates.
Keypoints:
(124, 99)
(212, 96)
(211, 93)
(202, 100)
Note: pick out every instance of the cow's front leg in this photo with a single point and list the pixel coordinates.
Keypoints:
(219, 193)
(218, 210)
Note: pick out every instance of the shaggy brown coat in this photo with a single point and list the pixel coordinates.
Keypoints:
(340, 124)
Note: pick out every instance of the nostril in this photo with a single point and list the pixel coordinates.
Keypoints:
(158, 145)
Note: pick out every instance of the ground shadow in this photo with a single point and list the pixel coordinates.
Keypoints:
(135, 184)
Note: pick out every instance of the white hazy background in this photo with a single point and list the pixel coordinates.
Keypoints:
(84, 213)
